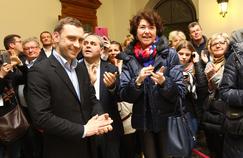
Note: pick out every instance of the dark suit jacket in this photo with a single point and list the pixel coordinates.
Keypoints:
(109, 99)
(55, 108)
(24, 69)
(43, 54)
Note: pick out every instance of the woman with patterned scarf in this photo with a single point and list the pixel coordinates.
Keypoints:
(218, 48)
(152, 80)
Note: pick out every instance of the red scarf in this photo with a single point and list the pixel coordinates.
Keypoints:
(145, 56)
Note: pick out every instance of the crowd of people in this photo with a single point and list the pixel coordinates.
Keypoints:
(89, 96)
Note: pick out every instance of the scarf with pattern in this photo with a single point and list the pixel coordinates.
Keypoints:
(218, 62)
(146, 56)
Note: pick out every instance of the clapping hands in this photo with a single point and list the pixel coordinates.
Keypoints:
(98, 124)
(209, 70)
(5, 68)
(158, 77)
(110, 79)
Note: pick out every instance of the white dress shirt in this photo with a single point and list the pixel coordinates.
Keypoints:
(97, 82)
(70, 69)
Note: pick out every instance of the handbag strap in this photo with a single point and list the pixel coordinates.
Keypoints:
(181, 106)
(186, 120)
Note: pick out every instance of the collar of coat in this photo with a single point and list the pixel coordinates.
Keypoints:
(161, 46)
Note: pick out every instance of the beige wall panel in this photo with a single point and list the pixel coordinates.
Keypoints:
(28, 17)
(115, 15)
(212, 22)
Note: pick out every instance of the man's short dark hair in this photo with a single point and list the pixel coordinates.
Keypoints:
(67, 20)
(9, 39)
(45, 32)
(192, 24)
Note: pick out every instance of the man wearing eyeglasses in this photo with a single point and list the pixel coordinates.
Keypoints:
(13, 45)
(33, 141)
(31, 47)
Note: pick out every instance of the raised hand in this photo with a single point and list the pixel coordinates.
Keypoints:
(110, 79)
(106, 41)
(204, 56)
(92, 70)
(158, 77)
(209, 70)
(5, 68)
(146, 71)
(195, 57)
(15, 60)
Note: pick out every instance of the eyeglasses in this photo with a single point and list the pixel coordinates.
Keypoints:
(28, 48)
(219, 42)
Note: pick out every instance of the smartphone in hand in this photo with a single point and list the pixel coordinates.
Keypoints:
(4, 57)
(101, 31)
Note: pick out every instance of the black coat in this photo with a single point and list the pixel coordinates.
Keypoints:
(152, 104)
(231, 91)
(231, 87)
(43, 54)
(109, 98)
(55, 108)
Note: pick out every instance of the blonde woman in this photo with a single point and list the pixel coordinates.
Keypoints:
(175, 37)
(218, 48)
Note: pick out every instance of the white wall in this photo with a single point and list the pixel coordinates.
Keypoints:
(212, 22)
(115, 15)
(30, 17)
(27, 17)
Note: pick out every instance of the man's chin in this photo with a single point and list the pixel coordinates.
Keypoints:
(198, 38)
(74, 57)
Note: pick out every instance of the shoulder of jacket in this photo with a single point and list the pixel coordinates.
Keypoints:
(168, 52)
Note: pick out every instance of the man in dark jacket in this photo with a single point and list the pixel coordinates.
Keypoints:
(13, 44)
(47, 43)
(62, 100)
(105, 79)
(199, 41)
(32, 147)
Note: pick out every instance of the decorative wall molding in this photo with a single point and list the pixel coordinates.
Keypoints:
(83, 10)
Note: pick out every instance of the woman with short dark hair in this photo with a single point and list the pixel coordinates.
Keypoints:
(152, 80)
